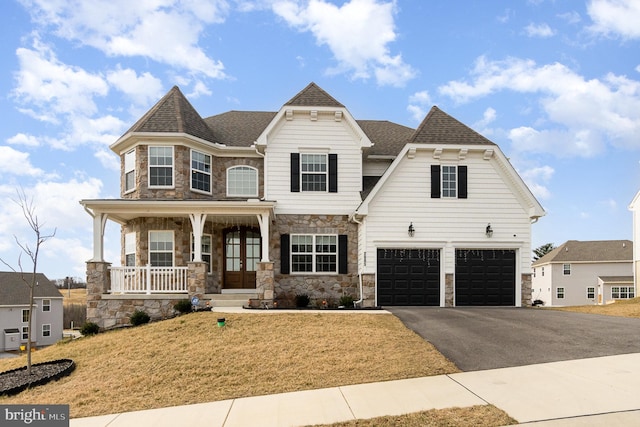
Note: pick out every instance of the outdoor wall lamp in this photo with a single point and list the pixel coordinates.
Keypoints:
(488, 231)
(411, 230)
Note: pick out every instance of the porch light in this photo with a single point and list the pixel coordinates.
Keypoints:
(489, 231)
(411, 230)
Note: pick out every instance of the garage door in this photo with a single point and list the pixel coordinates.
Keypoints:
(485, 277)
(408, 277)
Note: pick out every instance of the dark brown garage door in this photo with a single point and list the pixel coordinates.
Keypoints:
(485, 277)
(408, 277)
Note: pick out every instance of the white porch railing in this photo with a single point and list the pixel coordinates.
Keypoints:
(148, 280)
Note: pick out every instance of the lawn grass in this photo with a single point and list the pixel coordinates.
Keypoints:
(189, 359)
(74, 296)
(622, 308)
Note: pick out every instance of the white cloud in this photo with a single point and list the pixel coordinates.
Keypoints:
(108, 159)
(16, 162)
(143, 89)
(582, 115)
(419, 104)
(572, 17)
(540, 30)
(24, 139)
(615, 18)
(357, 33)
(488, 117)
(537, 180)
(138, 28)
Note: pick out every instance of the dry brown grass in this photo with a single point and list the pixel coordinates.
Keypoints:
(474, 416)
(74, 296)
(189, 359)
(622, 308)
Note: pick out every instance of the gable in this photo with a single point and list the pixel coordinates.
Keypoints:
(589, 251)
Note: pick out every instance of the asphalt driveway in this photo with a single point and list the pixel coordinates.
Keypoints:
(478, 338)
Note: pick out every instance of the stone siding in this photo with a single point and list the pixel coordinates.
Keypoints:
(448, 290)
(319, 287)
(526, 290)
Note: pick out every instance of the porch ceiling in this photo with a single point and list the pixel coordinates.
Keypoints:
(123, 210)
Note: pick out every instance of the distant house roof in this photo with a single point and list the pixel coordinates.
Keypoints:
(616, 279)
(589, 251)
(13, 290)
(174, 114)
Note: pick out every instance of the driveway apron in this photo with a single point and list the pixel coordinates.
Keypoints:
(478, 338)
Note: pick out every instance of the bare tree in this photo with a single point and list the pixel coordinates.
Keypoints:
(29, 212)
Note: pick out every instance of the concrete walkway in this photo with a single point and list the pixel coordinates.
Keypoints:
(601, 391)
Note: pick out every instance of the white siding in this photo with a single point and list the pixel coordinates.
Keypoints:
(375, 168)
(301, 135)
(541, 287)
(406, 198)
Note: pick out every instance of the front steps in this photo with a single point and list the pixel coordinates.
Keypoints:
(230, 299)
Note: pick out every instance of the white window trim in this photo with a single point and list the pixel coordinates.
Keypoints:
(130, 166)
(192, 170)
(43, 331)
(173, 246)
(25, 333)
(455, 183)
(566, 271)
(326, 173)
(314, 254)
(173, 167)
(130, 243)
(558, 292)
(25, 310)
(592, 292)
(230, 194)
(620, 291)
(46, 303)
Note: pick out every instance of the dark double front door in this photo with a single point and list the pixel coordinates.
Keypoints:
(241, 257)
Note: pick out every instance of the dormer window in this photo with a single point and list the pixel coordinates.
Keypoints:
(161, 167)
(130, 171)
(200, 171)
(316, 172)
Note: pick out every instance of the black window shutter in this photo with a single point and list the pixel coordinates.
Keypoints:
(333, 173)
(343, 255)
(435, 181)
(295, 172)
(462, 182)
(284, 254)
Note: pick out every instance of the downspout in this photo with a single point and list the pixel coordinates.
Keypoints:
(355, 303)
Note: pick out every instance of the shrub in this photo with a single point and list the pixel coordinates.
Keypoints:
(89, 328)
(346, 301)
(302, 300)
(139, 318)
(183, 306)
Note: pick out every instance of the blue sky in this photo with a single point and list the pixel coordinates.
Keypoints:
(556, 84)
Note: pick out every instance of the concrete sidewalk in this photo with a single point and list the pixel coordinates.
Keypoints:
(601, 391)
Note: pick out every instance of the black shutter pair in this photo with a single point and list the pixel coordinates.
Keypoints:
(295, 173)
(285, 265)
(435, 182)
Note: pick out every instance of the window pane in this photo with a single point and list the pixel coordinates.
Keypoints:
(161, 166)
(449, 186)
(313, 169)
(242, 181)
(200, 171)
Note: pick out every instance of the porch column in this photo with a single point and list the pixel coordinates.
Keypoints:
(263, 220)
(99, 222)
(197, 225)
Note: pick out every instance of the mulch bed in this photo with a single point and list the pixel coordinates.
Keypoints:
(16, 380)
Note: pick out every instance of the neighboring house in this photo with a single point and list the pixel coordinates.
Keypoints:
(634, 207)
(47, 314)
(309, 200)
(584, 272)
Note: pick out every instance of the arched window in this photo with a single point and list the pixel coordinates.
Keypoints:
(242, 181)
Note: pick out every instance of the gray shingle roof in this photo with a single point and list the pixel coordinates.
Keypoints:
(174, 113)
(440, 128)
(589, 251)
(313, 96)
(13, 291)
(616, 279)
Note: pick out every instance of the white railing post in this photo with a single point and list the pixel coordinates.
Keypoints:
(148, 279)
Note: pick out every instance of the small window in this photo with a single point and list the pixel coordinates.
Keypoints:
(46, 330)
(130, 171)
(534, 272)
(449, 181)
(25, 333)
(542, 271)
(242, 181)
(566, 269)
(130, 249)
(46, 305)
(314, 253)
(206, 249)
(161, 248)
(25, 316)
(622, 292)
(161, 167)
(200, 171)
(313, 171)
(560, 293)
(591, 292)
